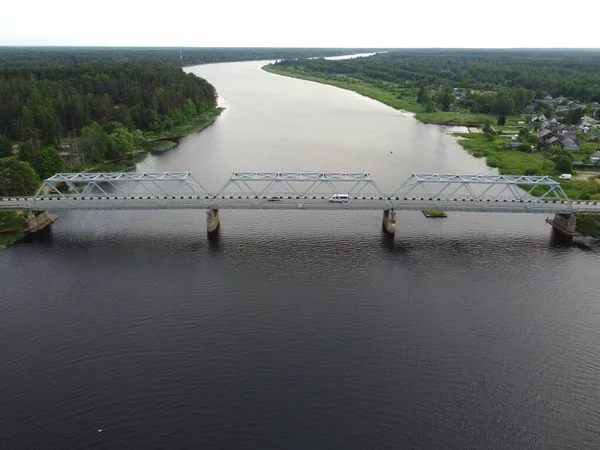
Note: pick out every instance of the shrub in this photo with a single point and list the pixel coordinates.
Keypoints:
(564, 165)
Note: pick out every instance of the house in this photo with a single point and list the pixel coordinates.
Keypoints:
(529, 109)
(543, 133)
(554, 141)
(559, 100)
(544, 125)
(568, 144)
(540, 118)
(595, 157)
(65, 146)
(595, 138)
(571, 136)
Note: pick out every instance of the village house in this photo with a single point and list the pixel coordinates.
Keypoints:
(595, 157)
(544, 134)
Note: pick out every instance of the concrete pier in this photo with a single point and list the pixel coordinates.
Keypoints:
(37, 222)
(389, 221)
(566, 224)
(212, 220)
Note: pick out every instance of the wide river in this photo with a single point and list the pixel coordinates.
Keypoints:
(300, 329)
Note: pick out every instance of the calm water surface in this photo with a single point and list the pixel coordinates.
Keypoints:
(300, 329)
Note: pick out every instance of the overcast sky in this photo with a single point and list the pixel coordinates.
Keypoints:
(307, 23)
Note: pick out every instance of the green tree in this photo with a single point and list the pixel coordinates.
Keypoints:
(189, 109)
(47, 122)
(5, 146)
(25, 125)
(121, 142)
(29, 150)
(430, 106)
(444, 100)
(48, 162)
(503, 104)
(549, 111)
(154, 121)
(521, 98)
(17, 178)
(574, 116)
(564, 165)
(94, 142)
(422, 96)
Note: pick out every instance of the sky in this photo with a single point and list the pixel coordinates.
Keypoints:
(306, 23)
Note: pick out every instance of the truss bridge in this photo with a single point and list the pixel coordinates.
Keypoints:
(306, 191)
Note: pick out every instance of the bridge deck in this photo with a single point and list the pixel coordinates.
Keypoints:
(297, 202)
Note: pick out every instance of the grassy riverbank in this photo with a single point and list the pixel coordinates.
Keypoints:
(388, 93)
(589, 225)
(154, 143)
(160, 143)
(11, 220)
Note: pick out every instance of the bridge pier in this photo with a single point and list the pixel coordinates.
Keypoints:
(565, 224)
(212, 220)
(37, 222)
(389, 221)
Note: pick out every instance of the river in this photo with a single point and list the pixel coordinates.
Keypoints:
(300, 329)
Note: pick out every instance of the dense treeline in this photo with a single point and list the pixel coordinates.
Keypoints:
(574, 74)
(47, 103)
(18, 57)
(102, 109)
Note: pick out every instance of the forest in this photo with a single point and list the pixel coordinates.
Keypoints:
(106, 108)
(39, 106)
(519, 75)
(20, 57)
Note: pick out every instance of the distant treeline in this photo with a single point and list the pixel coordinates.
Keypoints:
(19, 57)
(571, 73)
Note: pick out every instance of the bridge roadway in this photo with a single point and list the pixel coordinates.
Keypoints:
(294, 202)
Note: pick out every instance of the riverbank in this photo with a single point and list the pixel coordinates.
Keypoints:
(152, 143)
(388, 94)
(13, 224)
(492, 148)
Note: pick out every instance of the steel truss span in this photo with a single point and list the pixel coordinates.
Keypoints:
(301, 190)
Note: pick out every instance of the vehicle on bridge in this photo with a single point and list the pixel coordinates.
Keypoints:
(339, 198)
